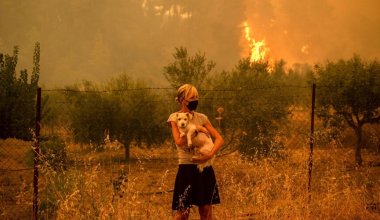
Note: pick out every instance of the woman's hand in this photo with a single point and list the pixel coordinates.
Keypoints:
(203, 130)
(202, 158)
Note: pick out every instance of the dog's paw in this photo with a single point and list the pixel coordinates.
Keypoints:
(189, 144)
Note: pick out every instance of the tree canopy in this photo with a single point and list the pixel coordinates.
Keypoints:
(253, 105)
(188, 69)
(17, 96)
(349, 92)
(123, 107)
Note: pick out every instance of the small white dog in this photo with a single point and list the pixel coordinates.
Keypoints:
(199, 140)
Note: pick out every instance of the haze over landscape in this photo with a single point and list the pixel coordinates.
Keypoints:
(95, 40)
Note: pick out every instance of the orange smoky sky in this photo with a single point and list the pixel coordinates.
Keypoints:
(96, 40)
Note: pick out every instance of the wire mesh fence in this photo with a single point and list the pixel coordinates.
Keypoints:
(99, 136)
(109, 154)
(16, 178)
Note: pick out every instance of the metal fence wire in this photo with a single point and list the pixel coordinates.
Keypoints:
(92, 157)
(16, 178)
(101, 130)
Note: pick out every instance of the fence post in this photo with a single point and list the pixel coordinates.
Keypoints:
(36, 155)
(311, 141)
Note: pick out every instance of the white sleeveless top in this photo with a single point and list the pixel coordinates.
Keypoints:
(184, 157)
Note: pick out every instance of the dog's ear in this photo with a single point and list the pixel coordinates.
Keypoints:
(176, 116)
(189, 116)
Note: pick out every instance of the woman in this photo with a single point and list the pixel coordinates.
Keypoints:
(191, 186)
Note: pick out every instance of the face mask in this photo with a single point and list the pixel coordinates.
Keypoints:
(192, 105)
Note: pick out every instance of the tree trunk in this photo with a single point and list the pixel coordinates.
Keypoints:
(126, 141)
(127, 152)
(358, 156)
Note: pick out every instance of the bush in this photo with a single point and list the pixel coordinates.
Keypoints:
(54, 153)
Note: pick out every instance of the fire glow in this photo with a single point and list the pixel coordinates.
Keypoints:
(258, 51)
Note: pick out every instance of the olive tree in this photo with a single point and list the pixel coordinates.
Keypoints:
(188, 69)
(348, 91)
(128, 109)
(254, 104)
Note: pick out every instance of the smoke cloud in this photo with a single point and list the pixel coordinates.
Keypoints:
(95, 40)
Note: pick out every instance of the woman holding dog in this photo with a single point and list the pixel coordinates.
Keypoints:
(193, 187)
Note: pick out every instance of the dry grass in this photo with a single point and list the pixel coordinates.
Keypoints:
(102, 187)
(277, 189)
(265, 189)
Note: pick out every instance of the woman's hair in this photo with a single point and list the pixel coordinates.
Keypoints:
(186, 91)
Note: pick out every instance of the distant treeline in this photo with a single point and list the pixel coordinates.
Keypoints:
(257, 99)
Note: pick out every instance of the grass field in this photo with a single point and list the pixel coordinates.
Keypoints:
(98, 185)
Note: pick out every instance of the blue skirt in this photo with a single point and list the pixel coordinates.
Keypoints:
(194, 188)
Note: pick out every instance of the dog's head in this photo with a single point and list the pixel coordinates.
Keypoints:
(183, 119)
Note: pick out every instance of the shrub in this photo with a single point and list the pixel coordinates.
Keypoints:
(54, 153)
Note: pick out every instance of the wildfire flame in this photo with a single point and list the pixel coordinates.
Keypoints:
(257, 49)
